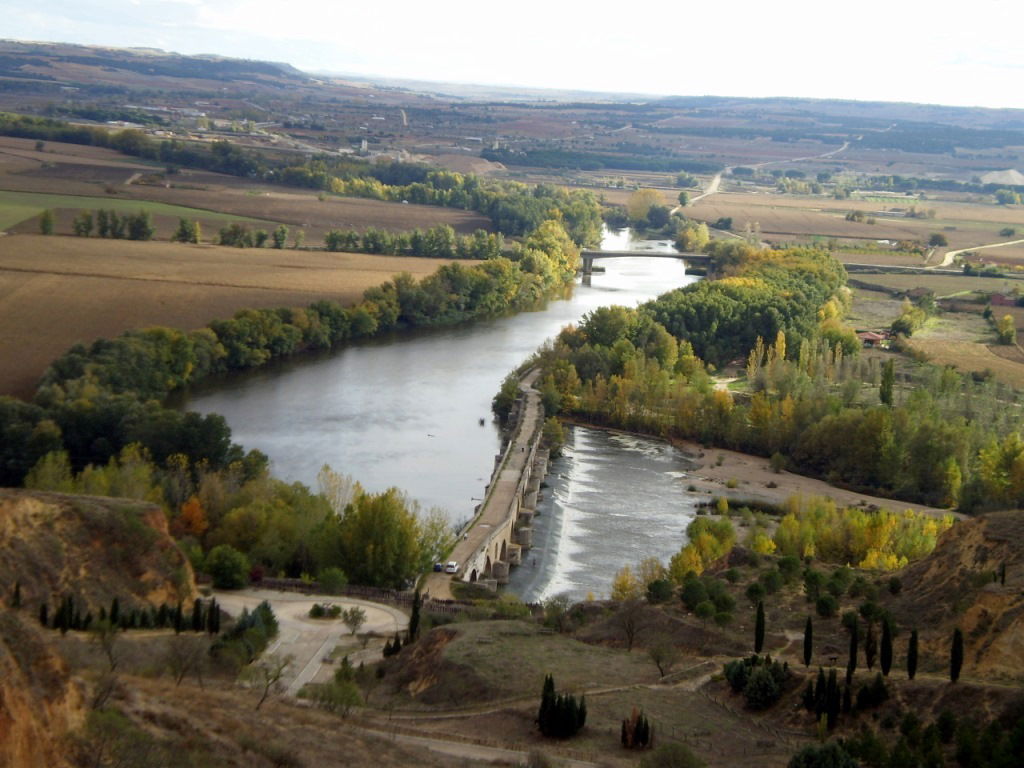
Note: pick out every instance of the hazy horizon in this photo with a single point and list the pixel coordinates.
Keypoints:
(878, 52)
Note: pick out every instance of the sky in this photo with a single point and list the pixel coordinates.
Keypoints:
(927, 51)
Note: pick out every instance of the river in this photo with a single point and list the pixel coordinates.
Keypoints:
(406, 411)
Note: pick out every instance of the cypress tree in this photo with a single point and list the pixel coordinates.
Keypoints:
(547, 705)
(414, 618)
(851, 665)
(161, 616)
(832, 700)
(179, 619)
(886, 657)
(1002, 574)
(759, 627)
(956, 655)
(870, 646)
(808, 641)
(912, 655)
(16, 600)
(44, 617)
(197, 615)
(115, 612)
(820, 691)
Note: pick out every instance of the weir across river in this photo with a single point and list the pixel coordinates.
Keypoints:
(495, 538)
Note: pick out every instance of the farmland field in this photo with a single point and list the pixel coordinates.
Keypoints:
(58, 291)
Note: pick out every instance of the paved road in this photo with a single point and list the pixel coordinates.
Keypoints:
(495, 507)
(308, 640)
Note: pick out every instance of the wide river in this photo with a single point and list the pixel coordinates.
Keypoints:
(405, 411)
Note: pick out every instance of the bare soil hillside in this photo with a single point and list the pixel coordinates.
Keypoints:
(90, 547)
(957, 586)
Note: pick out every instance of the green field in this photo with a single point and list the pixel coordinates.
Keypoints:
(16, 207)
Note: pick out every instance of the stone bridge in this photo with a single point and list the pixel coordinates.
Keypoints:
(588, 257)
(494, 540)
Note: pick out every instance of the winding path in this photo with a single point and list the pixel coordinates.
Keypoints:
(951, 255)
(309, 641)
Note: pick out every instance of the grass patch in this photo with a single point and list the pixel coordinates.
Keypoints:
(16, 207)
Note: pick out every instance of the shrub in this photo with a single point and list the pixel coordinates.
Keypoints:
(228, 567)
(873, 694)
(332, 580)
(761, 690)
(659, 591)
(826, 606)
(772, 581)
(755, 592)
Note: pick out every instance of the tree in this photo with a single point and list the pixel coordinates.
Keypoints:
(938, 240)
(414, 616)
(260, 238)
(82, 225)
(106, 635)
(912, 655)
(663, 653)
(956, 655)
(353, 618)
(671, 755)
(886, 655)
(198, 619)
(187, 232)
(140, 226)
(266, 675)
(629, 620)
(759, 627)
(888, 380)
(46, 222)
(280, 236)
(870, 645)
(808, 641)
(830, 755)
(851, 664)
(228, 567)
(684, 199)
(626, 586)
(379, 539)
(1006, 330)
(184, 654)
(640, 203)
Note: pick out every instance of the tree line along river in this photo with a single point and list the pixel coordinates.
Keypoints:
(406, 411)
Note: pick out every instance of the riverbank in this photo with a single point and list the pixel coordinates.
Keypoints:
(714, 470)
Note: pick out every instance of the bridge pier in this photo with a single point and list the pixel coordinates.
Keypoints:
(525, 538)
(500, 572)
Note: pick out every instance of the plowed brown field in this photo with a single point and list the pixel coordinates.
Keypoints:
(58, 291)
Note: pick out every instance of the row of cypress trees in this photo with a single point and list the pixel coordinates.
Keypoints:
(561, 715)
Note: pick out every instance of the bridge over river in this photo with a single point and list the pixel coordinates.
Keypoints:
(589, 257)
(495, 538)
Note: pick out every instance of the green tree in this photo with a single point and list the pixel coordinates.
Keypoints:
(280, 236)
(886, 652)
(82, 225)
(140, 226)
(938, 240)
(353, 618)
(379, 539)
(228, 567)
(260, 238)
(830, 755)
(46, 222)
(956, 655)
(684, 199)
(414, 616)
(808, 641)
(888, 380)
(851, 664)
